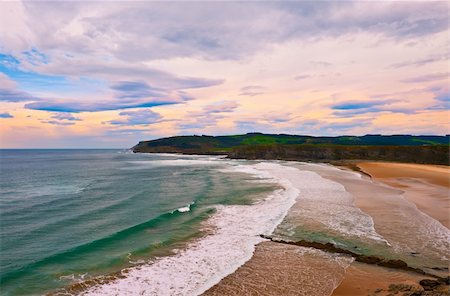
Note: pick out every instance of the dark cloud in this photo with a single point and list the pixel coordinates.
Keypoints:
(351, 105)
(6, 115)
(12, 95)
(351, 108)
(65, 116)
(57, 122)
(79, 106)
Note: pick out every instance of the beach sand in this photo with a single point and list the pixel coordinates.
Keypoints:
(363, 279)
(427, 186)
(279, 269)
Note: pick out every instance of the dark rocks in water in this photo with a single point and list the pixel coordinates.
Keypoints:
(440, 268)
(374, 260)
(394, 264)
(445, 280)
(429, 285)
(395, 288)
(368, 259)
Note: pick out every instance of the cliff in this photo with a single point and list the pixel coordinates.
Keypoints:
(401, 148)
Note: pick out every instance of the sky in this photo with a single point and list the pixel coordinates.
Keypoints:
(109, 74)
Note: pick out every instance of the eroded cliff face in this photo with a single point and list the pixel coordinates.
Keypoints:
(419, 154)
(404, 148)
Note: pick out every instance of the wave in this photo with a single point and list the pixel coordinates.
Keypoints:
(206, 261)
(185, 209)
(99, 244)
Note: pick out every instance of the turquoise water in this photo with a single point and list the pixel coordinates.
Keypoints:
(73, 214)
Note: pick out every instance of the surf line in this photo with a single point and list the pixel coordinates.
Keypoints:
(374, 260)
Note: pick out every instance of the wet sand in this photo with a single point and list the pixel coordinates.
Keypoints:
(382, 203)
(363, 279)
(287, 270)
(278, 269)
(427, 186)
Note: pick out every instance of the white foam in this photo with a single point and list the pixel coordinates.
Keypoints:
(185, 209)
(236, 232)
(205, 262)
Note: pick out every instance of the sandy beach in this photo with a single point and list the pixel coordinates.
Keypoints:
(427, 186)
(278, 269)
(363, 279)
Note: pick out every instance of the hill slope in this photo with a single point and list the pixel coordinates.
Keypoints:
(406, 148)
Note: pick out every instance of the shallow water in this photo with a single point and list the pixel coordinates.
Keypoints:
(178, 225)
(70, 215)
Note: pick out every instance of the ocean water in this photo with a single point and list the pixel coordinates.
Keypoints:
(110, 222)
(73, 215)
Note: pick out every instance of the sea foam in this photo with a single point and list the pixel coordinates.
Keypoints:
(236, 232)
(206, 261)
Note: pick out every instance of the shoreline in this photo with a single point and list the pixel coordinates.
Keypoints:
(360, 279)
(427, 186)
(262, 256)
(206, 261)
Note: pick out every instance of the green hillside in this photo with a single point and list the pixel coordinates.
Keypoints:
(224, 143)
(404, 148)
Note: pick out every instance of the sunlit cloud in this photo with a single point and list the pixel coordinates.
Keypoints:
(122, 71)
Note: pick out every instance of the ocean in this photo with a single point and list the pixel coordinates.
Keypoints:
(71, 215)
(110, 222)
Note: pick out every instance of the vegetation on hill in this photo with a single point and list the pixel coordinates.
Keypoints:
(404, 148)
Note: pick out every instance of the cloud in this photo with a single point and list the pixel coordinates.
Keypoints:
(302, 77)
(427, 78)
(321, 64)
(6, 115)
(278, 117)
(209, 115)
(441, 97)
(57, 122)
(252, 90)
(351, 108)
(136, 31)
(65, 116)
(10, 93)
(140, 117)
(135, 89)
(223, 106)
(201, 120)
(332, 128)
(247, 126)
(420, 62)
(351, 105)
(82, 106)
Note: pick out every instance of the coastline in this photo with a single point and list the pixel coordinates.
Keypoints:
(357, 279)
(234, 234)
(427, 186)
(262, 257)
